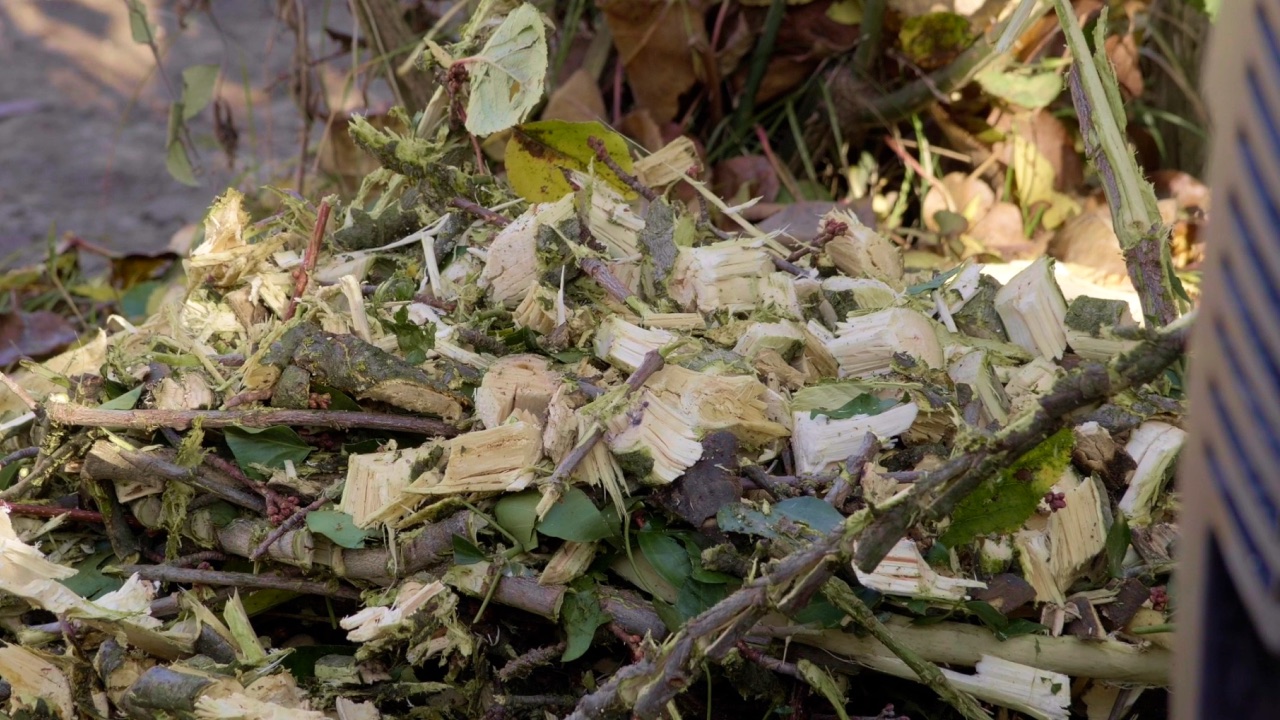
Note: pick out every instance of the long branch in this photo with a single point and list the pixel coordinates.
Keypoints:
(938, 492)
(72, 414)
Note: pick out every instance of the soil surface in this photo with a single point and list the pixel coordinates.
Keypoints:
(83, 116)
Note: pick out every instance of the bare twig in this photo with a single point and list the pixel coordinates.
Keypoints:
(633, 182)
(52, 511)
(480, 211)
(854, 467)
(167, 573)
(20, 391)
(523, 665)
(71, 414)
(293, 521)
(302, 275)
(16, 455)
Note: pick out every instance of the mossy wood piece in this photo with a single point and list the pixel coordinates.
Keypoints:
(349, 364)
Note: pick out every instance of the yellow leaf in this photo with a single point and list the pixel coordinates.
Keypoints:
(538, 153)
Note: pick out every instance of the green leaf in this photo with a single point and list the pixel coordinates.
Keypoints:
(820, 612)
(865, 404)
(1118, 538)
(8, 473)
(260, 601)
(827, 396)
(136, 301)
(1029, 90)
(581, 614)
(1003, 503)
(197, 89)
(539, 152)
(178, 164)
(124, 401)
(89, 582)
(666, 555)
(814, 512)
(696, 597)
(465, 552)
(575, 518)
(269, 447)
(937, 282)
(822, 681)
(518, 515)
(1019, 627)
(744, 519)
(508, 76)
(989, 616)
(413, 339)
(337, 526)
(139, 26)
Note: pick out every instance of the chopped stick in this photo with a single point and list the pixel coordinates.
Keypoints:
(1135, 214)
(525, 664)
(854, 467)
(480, 211)
(302, 275)
(843, 597)
(430, 550)
(652, 363)
(605, 278)
(938, 492)
(830, 231)
(71, 414)
(166, 573)
(293, 521)
(633, 182)
(773, 664)
(108, 461)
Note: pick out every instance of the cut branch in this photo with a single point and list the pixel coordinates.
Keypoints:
(71, 414)
(938, 492)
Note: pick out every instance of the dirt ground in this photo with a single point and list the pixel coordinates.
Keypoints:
(83, 117)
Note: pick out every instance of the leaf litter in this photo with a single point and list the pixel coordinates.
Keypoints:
(498, 428)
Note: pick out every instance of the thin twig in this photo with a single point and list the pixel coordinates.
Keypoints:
(525, 664)
(480, 211)
(302, 275)
(20, 391)
(855, 466)
(71, 414)
(633, 182)
(23, 454)
(831, 230)
(293, 521)
(52, 511)
(167, 573)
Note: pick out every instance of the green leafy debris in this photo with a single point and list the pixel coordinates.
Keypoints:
(337, 526)
(580, 614)
(267, 447)
(1004, 503)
